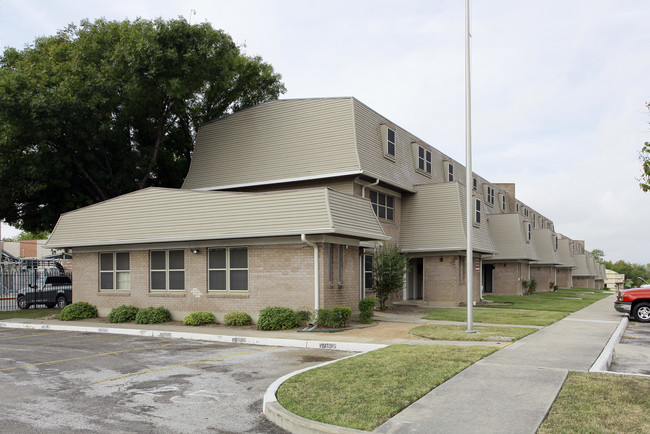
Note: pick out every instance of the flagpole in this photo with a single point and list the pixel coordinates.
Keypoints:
(469, 268)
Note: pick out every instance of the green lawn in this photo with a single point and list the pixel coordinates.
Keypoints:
(364, 391)
(441, 332)
(564, 300)
(600, 403)
(29, 313)
(498, 316)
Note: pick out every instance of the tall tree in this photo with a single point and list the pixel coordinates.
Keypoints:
(598, 255)
(389, 266)
(106, 107)
(644, 156)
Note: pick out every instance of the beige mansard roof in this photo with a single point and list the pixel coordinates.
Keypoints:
(434, 220)
(544, 240)
(509, 236)
(163, 215)
(566, 255)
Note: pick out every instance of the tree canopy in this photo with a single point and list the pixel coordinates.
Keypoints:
(644, 156)
(107, 107)
(598, 255)
(636, 272)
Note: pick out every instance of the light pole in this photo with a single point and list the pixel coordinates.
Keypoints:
(469, 256)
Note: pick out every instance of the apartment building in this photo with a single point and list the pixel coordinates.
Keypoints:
(284, 204)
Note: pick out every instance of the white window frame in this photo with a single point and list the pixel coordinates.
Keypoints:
(121, 277)
(449, 171)
(474, 184)
(389, 146)
(228, 268)
(388, 206)
(424, 160)
(504, 202)
(489, 195)
(167, 270)
(477, 211)
(529, 231)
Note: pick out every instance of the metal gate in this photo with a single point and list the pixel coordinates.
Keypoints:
(34, 283)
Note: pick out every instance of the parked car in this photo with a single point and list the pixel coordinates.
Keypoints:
(51, 291)
(634, 301)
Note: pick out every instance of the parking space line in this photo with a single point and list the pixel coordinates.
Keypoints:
(84, 357)
(180, 365)
(36, 334)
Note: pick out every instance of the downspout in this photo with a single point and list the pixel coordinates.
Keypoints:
(363, 188)
(303, 237)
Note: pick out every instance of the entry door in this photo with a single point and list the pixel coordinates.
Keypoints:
(488, 278)
(415, 280)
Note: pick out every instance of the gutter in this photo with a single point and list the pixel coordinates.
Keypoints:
(304, 239)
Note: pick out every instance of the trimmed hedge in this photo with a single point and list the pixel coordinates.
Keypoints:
(78, 310)
(153, 315)
(277, 318)
(237, 319)
(123, 313)
(335, 317)
(199, 318)
(366, 309)
(303, 316)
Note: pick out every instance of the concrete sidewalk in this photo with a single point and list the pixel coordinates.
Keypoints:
(513, 389)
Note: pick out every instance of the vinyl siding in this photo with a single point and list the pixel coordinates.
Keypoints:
(283, 139)
(163, 215)
(543, 239)
(433, 220)
(507, 231)
(582, 269)
(564, 248)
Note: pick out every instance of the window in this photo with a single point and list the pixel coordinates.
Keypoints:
(489, 195)
(534, 221)
(475, 184)
(114, 271)
(556, 242)
(528, 227)
(168, 270)
(367, 271)
(228, 269)
(517, 207)
(504, 202)
(450, 172)
(383, 204)
(525, 212)
(424, 160)
(477, 211)
(388, 139)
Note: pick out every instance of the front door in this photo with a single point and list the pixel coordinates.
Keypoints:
(415, 280)
(488, 279)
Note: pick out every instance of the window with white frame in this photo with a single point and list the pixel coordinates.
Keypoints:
(529, 230)
(474, 184)
(424, 160)
(504, 203)
(534, 221)
(114, 271)
(388, 139)
(525, 212)
(517, 207)
(449, 171)
(367, 271)
(167, 270)
(477, 211)
(489, 195)
(228, 269)
(383, 205)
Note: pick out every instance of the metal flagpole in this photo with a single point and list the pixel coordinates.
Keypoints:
(469, 266)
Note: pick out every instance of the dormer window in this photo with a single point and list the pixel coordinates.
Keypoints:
(529, 229)
(449, 171)
(388, 140)
(423, 160)
(477, 211)
(475, 184)
(517, 207)
(503, 201)
(534, 221)
(525, 212)
(489, 195)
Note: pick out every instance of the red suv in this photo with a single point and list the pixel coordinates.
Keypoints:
(635, 301)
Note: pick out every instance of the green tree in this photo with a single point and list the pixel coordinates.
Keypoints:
(110, 107)
(598, 255)
(644, 156)
(389, 267)
(636, 272)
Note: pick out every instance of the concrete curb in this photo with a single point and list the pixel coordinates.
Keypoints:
(293, 423)
(273, 342)
(605, 359)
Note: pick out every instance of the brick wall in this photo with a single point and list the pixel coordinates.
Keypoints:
(564, 278)
(444, 281)
(543, 274)
(583, 282)
(280, 275)
(508, 276)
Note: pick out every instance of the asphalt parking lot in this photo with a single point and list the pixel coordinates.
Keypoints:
(61, 381)
(632, 353)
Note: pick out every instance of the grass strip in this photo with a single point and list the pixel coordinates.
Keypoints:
(600, 403)
(364, 391)
(498, 316)
(563, 300)
(28, 313)
(443, 332)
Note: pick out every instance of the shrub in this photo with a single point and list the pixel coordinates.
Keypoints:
(366, 312)
(532, 287)
(153, 315)
(78, 310)
(335, 317)
(303, 316)
(276, 318)
(123, 313)
(237, 319)
(199, 318)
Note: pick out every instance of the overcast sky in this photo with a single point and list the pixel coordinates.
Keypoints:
(558, 87)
